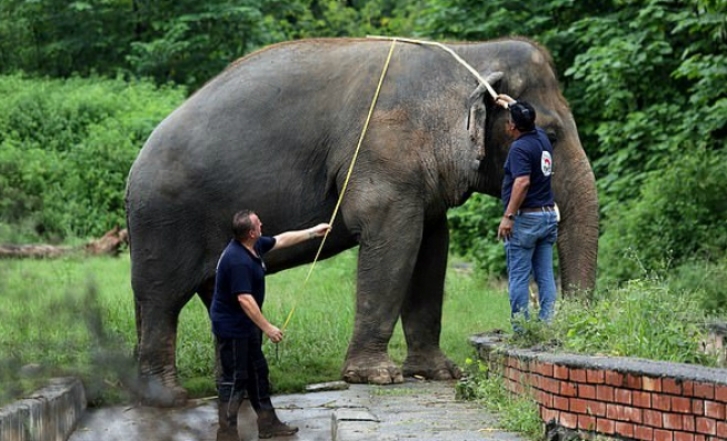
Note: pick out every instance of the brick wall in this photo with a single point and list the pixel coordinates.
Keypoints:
(618, 397)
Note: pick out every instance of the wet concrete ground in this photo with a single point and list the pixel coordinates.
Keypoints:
(414, 410)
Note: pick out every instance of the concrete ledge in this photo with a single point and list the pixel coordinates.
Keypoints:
(50, 414)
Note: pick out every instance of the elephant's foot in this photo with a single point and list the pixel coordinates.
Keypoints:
(373, 369)
(154, 392)
(432, 366)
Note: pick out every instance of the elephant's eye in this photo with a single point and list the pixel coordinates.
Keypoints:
(552, 137)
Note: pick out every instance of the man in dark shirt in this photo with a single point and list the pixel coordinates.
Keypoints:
(238, 324)
(529, 226)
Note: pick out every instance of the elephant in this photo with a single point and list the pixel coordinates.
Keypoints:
(276, 132)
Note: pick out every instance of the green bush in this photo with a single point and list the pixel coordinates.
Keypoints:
(473, 233)
(706, 280)
(679, 215)
(66, 147)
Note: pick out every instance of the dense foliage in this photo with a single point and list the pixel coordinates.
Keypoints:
(66, 147)
(645, 79)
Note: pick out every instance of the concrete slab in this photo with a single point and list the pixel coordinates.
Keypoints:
(416, 410)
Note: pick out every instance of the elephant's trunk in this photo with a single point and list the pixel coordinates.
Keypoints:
(576, 195)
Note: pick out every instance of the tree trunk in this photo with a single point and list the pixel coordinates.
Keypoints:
(109, 244)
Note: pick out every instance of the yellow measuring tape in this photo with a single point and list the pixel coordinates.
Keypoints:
(350, 171)
(459, 59)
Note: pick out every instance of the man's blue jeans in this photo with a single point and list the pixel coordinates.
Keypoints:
(529, 251)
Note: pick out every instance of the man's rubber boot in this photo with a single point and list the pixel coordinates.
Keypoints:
(268, 425)
(227, 416)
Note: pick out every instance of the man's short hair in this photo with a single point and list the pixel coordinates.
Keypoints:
(242, 224)
(523, 115)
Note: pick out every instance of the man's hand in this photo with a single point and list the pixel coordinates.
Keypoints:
(274, 334)
(505, 230)
(504, 100)
(319, 230)
(290, 238)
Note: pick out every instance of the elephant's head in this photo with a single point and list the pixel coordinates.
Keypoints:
(525, 71)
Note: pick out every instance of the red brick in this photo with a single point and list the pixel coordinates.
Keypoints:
(568, 420)
(568, 389)
(513, 362)
(560, 403)
(509, 372)
(641, 399)
(643, 433)
(634, 415)
(714, 410)
(672, 386)
(722, 429)
(661, 402)
(535, 381)
(548, 415)
(604, 393)
(622, 396)
(586, 391)
(595, 376)
(549, 384)
(652, 384)
(525, 365)
(704, 390)
(688, 388)
(681, 436)
(720, 393)
(579, 406)
(681, 405)
(614, 378)
(706, 426)
(633, 381)
(586, 422)
(515, 387)
(672, 421)
(544, 398)
(605, 426)
(653, 418)
(623, 413)
(578, 375)
(596, 408)
(700, 438)
(689, 423)
(545, 369)
(663, 435)
(612, 412)
(561, 372)
(625, 429)
(698, 407)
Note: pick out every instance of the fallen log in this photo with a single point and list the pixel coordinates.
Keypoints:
(109, 244)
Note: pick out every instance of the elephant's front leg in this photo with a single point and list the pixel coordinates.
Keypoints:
(421, 313)
(385, 266)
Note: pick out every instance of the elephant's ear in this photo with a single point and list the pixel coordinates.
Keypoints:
(478, 114)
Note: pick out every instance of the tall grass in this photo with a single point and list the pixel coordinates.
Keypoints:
(76, 316)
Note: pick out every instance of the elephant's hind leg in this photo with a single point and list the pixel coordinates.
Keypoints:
(159, 385)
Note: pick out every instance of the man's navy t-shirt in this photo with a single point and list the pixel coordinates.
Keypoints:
(238, 272)
(530, 154)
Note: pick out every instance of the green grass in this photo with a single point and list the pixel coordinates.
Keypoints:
(515, 413)
(76, 316)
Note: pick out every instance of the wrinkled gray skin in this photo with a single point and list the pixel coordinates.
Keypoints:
(276, 132)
